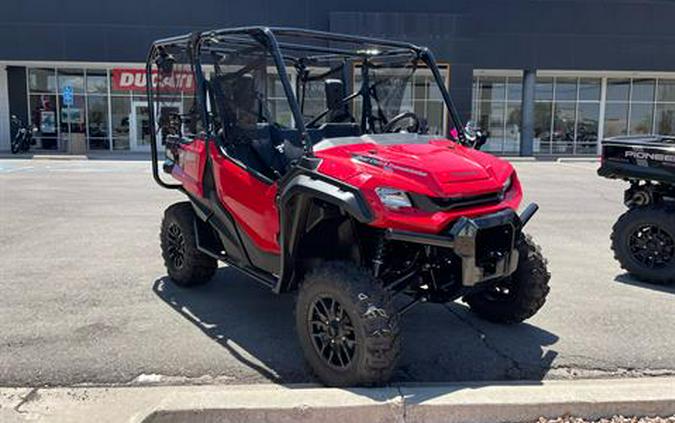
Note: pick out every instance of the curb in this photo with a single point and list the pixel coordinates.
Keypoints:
(578, 160)
(59, 157)
(475, 402)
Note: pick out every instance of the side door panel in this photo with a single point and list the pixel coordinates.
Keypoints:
(190, 166)
(251, 202)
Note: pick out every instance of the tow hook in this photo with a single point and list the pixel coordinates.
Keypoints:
(527, 214)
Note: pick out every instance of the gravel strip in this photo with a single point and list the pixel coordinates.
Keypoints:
(615, 419)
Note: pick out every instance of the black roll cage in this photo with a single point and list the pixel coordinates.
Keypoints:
(267, 37)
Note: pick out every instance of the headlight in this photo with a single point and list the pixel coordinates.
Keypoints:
(393, 198)
(507, 185)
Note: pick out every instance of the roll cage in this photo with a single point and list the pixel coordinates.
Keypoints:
(301, 48)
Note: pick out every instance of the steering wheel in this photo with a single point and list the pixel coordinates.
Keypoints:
(394, 125)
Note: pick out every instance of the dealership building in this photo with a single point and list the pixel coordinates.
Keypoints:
(544, 77)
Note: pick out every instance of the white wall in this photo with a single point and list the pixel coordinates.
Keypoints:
(4, 110)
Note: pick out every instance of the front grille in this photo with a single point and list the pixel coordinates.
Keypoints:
(455, 203)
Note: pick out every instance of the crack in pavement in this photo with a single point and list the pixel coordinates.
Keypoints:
(521, 370)
(515, 367)
(30, 396)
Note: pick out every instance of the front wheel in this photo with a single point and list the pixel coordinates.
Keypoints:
(16, 145)
(347, 326)
(185, 264)
(643, 240)
(519, 296)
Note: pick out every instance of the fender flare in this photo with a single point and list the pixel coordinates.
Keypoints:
(294, 201)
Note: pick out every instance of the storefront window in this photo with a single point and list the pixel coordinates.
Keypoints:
(120, 113)
(73, 78)
(43, 116)
(665, 119)
(564, 126)
(666, 90)
(588, 118)
(544, 89)
(498, 111)
(42, 81)
(589, 89)
(512, 130)
(618, 89)
(566, 115)
(643, 90)
(636, 106)
(542, 126)
(641, 118)
(97, 81)
(97, 121)
(616, 119)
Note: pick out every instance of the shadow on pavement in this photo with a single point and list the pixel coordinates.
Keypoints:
(631, 280)
(441, 343)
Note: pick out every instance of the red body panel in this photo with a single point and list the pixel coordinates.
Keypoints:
(249, 200)
(190, 166)
(439, 168)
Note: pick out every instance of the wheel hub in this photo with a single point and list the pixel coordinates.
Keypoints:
(652, 246)
(176, 248)
(333, 335)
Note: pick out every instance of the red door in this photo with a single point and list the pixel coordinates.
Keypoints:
(250, 200)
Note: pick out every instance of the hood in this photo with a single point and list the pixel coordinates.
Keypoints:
(433, 165)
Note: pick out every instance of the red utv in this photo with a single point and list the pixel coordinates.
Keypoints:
(311, 165)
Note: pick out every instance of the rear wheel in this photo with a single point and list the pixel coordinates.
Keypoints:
(519, 296)
(347, 325)
(643, 240)
(185, 264)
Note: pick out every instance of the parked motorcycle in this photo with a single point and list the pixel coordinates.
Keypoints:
(23, 138)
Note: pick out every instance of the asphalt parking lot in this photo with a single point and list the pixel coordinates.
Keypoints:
(85, 300)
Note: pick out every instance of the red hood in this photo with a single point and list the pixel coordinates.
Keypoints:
(418, 163)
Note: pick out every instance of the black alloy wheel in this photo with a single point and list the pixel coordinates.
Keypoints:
(347, 325)
(176, 242)
(643, 241)
(332, 331)
(652, 246)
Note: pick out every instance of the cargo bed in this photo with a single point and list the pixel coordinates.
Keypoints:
(649, 158)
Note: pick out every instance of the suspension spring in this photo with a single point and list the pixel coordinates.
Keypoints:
(378, 258)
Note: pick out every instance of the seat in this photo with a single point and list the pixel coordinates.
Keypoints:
(265, 148)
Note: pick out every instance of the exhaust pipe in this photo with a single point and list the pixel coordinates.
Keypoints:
(527, 214)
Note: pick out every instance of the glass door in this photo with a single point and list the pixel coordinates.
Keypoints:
(139, 128)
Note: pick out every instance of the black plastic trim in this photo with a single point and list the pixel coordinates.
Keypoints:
(297, 191)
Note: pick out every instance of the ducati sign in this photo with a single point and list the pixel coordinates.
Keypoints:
(124, 79)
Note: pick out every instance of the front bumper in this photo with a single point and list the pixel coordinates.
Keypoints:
(486, 245)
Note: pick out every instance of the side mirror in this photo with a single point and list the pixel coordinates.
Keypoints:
(334, 93)
(475, 135)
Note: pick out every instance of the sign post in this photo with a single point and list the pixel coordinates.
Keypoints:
(68, 102)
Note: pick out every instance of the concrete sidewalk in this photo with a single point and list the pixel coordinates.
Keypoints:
(475, 402)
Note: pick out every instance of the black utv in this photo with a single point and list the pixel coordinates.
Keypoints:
(643, 239)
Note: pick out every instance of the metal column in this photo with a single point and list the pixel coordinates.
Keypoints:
(527, 118)
(5, 135)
